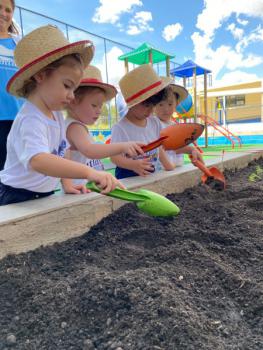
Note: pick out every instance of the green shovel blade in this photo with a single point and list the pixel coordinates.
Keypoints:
(157, 205)
(148, 202)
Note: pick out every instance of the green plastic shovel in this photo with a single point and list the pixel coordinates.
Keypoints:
(148, 202)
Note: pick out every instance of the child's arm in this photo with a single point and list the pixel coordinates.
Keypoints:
(69, 186)
(165, 160)
(142, 167)
(77, 136)
(52, 165)
(193, 151)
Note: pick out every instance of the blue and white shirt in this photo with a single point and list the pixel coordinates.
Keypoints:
(9, 105)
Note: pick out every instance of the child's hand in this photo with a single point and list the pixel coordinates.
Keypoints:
(196, 155)
(143, 167)
(70, 188)
(105, 181)
(132, 149)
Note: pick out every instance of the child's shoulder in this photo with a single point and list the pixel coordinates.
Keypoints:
(121, 123)
(153, 120)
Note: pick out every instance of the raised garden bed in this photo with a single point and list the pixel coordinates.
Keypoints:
(142, 283)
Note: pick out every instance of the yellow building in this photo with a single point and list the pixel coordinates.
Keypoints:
(234, 103)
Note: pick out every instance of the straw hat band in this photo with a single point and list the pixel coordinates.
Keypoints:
(91, 80)
(92, 77)
(143, 91)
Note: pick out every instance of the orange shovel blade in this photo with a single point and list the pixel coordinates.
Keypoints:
(210, 175)
(180, 135)
(216, 176)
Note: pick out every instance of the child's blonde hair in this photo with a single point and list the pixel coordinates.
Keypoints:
(30, 84)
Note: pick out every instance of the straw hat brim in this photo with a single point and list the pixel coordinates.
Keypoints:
(164, 82)
(110, 90)
(180, 90)
(84, 48)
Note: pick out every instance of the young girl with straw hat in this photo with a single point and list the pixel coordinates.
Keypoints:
(142, 89)
(50, 70)
(84, 110)
(164, 111)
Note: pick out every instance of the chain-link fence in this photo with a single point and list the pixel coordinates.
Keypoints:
(106, 54)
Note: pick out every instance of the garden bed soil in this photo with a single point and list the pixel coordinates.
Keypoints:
(142, 283)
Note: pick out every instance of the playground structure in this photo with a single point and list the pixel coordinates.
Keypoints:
(187, 109)
(144, 54)
(184, 113)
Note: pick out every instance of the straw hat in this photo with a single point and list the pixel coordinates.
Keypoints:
(92, 77)
(178, 89)
(140, 84)
(41, 47)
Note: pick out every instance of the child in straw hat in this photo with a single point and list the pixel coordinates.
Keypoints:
(50, 69)
(84, 110)
(142, 89)
(164, 111)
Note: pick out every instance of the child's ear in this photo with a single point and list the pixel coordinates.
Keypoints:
(39, 77)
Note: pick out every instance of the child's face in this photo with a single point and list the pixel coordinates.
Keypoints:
(165, 109)
(88, 108)
(56, 89)
(141, 111)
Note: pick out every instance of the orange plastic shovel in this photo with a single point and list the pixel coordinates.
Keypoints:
(212, 176)
(180, 135)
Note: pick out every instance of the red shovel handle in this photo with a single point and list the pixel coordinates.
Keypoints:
(154, 144)
(201, 166)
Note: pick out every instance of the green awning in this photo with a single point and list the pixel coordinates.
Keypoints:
(141, 55)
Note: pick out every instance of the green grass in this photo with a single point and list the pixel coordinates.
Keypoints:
(229, 148)
(217, 151)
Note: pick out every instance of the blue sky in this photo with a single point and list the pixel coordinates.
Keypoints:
(225, 36)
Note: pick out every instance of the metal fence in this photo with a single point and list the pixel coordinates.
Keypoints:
(105, 58)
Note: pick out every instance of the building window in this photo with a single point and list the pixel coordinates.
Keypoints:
(235, 101)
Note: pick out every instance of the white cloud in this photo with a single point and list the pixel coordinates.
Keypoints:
(236, 32)
(214, 13)
(243, 22)
(111, 10)
(223, 56)
(212, 17)
(255, 36)
(140, 23)
(115, 67)
(171, 31)
(235, 77)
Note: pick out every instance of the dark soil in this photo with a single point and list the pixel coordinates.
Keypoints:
(135, 282)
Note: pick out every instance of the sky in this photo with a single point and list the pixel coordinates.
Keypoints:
(225, 36)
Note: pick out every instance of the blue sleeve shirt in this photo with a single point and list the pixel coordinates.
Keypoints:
(9, 105)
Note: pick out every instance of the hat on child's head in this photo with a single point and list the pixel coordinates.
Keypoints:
(92, 77)
(41, 47)
(178, 89)
(140, 84)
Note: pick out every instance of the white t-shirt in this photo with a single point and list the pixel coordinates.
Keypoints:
(177, 159)
(33, 133)
(81, 158)
(124, 131)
